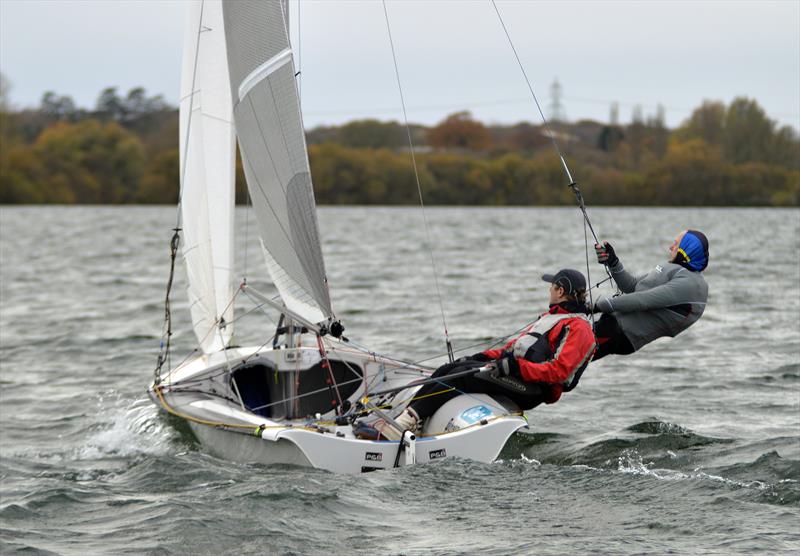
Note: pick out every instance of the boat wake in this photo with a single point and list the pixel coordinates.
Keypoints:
(127, 428)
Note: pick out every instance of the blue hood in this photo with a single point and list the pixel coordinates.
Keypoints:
(693, 251)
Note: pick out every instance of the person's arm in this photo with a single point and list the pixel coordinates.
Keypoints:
(576, 347)
(680, 289)
(624, 279)
(497, 353)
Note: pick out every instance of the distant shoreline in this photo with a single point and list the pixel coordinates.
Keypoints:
(126, 152)
(476, 207)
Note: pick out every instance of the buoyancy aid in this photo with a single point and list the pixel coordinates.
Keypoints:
(534, 344)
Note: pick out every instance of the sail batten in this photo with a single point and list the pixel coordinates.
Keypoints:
(207, 151)
(262, 71)
(271, 139)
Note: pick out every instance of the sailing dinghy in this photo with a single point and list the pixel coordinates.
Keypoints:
(295, 398)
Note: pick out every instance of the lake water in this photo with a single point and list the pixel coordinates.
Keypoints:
(690, 446)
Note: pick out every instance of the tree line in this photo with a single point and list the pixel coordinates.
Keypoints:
(125, 150)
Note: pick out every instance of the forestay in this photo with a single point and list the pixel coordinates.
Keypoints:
(207, 151)
(272, 144)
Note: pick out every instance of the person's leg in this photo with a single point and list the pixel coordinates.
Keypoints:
(610, 338)
(526, 395)
(431, 397)
(427, 400)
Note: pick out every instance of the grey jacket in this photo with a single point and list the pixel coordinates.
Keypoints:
(664, 302)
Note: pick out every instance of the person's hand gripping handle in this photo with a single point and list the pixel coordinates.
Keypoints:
(605, 254)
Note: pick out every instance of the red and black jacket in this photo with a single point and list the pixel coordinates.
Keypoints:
(568, 348)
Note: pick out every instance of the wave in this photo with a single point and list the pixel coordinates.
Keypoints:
(769, 479)
(127, 428)
(780, 477)
(789, 372)
(658, 440)
(664, 451)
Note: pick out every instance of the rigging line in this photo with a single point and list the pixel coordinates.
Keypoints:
(588, 274)
(303, 395)
(179, 365)
(165, 352)
(247, 208)
(419, 187)
(258, 349)
(530, 88)
(331, 347)
(441, 381)
(410, 364)
(251, 310)
(326, 364)
(572, 184)
(257, 429)
(214, 327)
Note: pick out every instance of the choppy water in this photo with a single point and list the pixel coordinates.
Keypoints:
(690, 446)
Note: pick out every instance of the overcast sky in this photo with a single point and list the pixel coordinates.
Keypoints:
(452, 55)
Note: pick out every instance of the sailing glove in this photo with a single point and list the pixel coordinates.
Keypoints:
(605, 254)
(478, 358)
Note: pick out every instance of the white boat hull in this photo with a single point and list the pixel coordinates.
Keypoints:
(351, 455)
(229, 429)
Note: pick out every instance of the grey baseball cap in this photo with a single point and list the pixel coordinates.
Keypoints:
(569, 279)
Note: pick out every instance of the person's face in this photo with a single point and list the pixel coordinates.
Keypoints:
(556, 294)
(673, 250)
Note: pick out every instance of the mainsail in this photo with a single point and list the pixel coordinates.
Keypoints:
(207, 151)
(272, 144)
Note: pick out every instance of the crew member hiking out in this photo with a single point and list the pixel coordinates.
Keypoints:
(664, 302)
(540, 364)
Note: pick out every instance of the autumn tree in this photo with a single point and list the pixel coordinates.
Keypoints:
(706, 123)
(86, 162)
(460, 131)
(636, 136)
(110, 106)
(691, 174)
(744, 132)
(5, 87)
(748, 132)
(528, 137)
(131, 108)
(372, 134)
(610, 137)
(57, 107)
(658, 133)
(160, 182)
(785, 148)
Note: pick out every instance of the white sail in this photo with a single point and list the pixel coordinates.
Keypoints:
(207, 157)
(272, 144)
